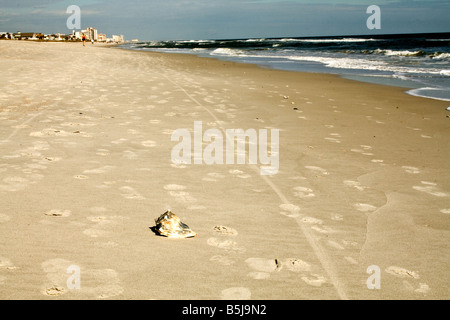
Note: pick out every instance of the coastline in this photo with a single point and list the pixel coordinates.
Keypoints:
(363, 180)
(412, 61)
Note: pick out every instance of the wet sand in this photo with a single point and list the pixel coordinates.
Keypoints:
(85, 140)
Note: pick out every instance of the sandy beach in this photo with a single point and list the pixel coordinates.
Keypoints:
(361, 195)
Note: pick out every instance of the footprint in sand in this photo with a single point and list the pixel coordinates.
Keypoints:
(148, 143)
(314, 280)
(412, 170)
(54, 291)
(168, 131)
(174, 187)
(95, 283)
(318, 169)
(81, 177)
(302, 192)
(57, 276)
(14, 184)
(213, 176)
(5, 263)
(178, 165)
(225, 244)
(361, 152)
(423, 287)
(296, 265)
(354, 184)
(52, 159)
(177, 191)
(364, 207)
(331, 139)
(103, 169)
(408, 275)
(337, 217)
(334, 138)
(58, 213)
(131, 193)
(239, 174)
(335, 245)
(311, 220)
(225, 230)
(236, 293)
(351, 260)
(290, 210)
(430, 188)
(263, 267)
(402, 272)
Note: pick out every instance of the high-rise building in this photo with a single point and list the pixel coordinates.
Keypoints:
(101, 37)
(92, 33)
(118, 39)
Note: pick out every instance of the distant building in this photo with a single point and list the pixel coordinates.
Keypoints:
(57, 37)
(118, 39)
(101, 37)
(76, 35)
(93, 34)
(25, 35)
(5, 35)
(89, 33)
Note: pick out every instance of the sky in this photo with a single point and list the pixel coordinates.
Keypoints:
(226, 19)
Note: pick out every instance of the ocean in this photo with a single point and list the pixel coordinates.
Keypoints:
(418, 62)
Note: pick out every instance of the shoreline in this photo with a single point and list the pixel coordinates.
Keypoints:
(403, 89)
(356, 77)
(86, 167)
(367, 62)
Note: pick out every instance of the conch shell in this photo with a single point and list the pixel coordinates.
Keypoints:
(170, 225)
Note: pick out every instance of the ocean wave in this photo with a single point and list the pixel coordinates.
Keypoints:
(255, 40)
(365, 64)
(441, 56)
(227, 52)
(400, 53)
(335, 40)
(195, 41)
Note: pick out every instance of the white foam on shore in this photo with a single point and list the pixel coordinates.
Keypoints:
(428, 92)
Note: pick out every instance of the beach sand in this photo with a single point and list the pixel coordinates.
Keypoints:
(362, 194)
